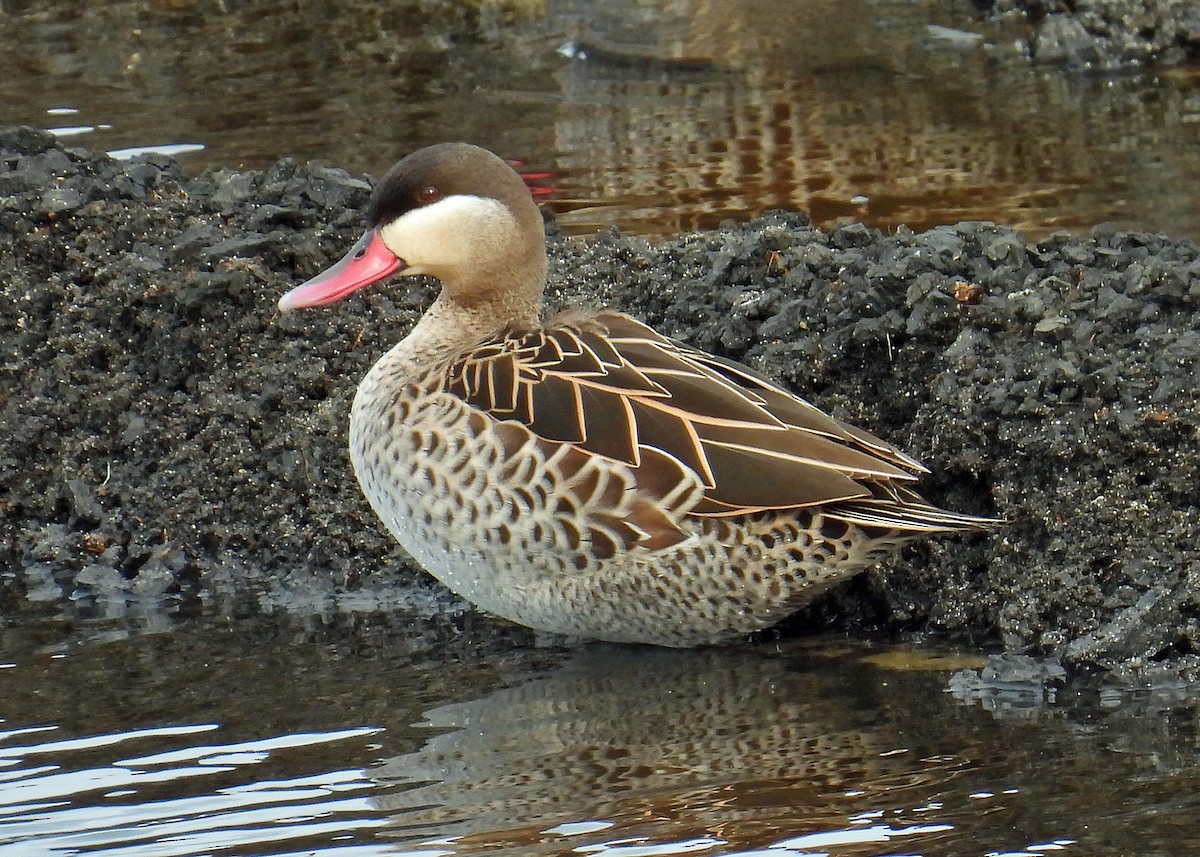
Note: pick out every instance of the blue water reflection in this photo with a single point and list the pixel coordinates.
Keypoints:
(58, 807)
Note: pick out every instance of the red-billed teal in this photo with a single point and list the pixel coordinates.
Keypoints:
(583, 474)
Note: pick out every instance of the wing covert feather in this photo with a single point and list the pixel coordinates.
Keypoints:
(610, 386)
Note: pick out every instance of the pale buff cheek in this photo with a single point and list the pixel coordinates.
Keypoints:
(458, 233)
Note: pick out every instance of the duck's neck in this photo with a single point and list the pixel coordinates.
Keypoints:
(452, 324)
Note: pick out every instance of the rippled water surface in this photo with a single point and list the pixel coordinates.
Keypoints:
(264, 737)
(654, 115)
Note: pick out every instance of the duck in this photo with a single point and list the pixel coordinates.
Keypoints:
(580, 473)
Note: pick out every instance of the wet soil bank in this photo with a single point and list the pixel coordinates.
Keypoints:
(1099, 34)
(167, 436)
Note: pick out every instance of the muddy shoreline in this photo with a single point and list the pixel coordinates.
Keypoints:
(1105, 35)
(169, 438)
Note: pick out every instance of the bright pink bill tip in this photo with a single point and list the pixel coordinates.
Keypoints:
(368, 261)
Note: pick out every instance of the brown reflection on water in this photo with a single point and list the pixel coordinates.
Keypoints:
(752, 748)
(489, 745)
(256, 676)
(668, 745)
(657, 116)
(1034, 151)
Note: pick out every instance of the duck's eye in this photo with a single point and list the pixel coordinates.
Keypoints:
(429, 193)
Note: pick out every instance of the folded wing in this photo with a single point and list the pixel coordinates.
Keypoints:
(612, 387)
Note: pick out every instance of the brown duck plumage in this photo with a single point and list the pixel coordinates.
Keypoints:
(585, 474)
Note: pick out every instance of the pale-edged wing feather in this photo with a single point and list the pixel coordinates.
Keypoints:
(611, 386)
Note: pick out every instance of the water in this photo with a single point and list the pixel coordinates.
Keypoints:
(270, 736)
(658, 116)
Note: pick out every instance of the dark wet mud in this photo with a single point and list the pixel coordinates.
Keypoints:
(1100, 34)
(168, 439)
